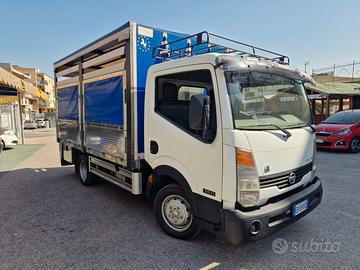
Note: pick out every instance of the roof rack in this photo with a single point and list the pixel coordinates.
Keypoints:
(200, 44)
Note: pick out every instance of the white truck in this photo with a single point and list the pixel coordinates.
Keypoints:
(215, 132)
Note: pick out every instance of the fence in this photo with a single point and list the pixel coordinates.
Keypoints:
(347, 73)
(10, 118)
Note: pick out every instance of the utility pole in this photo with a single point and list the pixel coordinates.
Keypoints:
(306, 64)
(21, 118)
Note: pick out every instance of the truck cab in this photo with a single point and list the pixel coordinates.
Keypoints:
(237, 130)
(217, 138)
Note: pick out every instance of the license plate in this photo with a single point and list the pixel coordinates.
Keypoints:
(319, 140)
(300, 207)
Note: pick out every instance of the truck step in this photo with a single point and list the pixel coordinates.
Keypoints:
(131, 181)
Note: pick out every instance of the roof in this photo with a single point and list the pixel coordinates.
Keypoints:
(335, 88)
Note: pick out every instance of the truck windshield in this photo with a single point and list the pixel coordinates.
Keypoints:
(264, 101)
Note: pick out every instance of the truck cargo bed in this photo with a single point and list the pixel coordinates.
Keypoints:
(100, 92)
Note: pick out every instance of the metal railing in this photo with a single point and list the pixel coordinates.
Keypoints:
(200, 43)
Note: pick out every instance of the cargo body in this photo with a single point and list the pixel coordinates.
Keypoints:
(101, 99)
(217, 138)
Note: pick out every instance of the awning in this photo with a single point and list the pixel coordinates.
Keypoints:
(44, 96)
(7, 91)
(346, 89)
(10, 85)
(30, 89)
(7, 79)
(6, 100)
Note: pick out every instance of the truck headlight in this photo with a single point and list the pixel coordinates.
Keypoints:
(248, 187)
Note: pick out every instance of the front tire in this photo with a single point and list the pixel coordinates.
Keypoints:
(174, 212)
(355, 145)
(82, 168)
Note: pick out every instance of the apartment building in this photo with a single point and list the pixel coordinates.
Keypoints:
(40, 96)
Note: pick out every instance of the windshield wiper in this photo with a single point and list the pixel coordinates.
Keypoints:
(310, 126)
(287, 133)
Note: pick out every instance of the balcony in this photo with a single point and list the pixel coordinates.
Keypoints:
(43, 82)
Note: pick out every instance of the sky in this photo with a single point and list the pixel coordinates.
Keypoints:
(37, 33)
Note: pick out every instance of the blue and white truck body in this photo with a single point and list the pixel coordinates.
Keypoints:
(218, 138)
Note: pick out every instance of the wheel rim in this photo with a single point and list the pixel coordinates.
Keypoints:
(175, 211)
(355, 145)
(83, 170)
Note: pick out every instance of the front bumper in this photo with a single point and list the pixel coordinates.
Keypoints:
(334, 142)
(271, 217)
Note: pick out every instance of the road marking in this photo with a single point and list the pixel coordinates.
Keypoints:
(210, 266)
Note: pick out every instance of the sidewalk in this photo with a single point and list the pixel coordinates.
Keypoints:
(40, 151)
(46, 156)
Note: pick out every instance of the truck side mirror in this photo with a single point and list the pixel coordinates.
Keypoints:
(199, 113)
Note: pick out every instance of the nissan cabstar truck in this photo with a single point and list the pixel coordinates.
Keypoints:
(217, 134)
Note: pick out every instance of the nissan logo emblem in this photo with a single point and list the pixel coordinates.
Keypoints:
(292, 178)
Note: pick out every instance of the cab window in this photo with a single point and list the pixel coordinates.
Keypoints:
(173, 96)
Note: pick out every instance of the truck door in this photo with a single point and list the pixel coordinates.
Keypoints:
(170, 141)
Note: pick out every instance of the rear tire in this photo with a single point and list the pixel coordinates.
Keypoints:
(82, 166)
(355, 145)
(174, 212)
(76, 165)
(2, 146)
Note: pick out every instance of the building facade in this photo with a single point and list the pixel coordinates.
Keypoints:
(39, 97)
(46, 84)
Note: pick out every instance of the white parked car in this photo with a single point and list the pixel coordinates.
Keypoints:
(8, 139)
(40, 122)
(30, 124)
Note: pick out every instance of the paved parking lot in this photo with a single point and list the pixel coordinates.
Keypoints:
(48, 220)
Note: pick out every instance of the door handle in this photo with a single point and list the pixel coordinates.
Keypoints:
(154, 147)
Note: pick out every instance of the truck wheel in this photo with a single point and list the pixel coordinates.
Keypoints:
(173, 212)
(86, 177)
(355, 145)
(77, 165)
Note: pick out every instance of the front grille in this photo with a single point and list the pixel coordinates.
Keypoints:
(324, 143)
(281, 180)
(323, 134)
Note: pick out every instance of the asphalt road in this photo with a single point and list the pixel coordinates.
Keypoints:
(48, 220)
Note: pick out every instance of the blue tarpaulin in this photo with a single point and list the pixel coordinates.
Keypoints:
(68, 103)
(104, 101)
